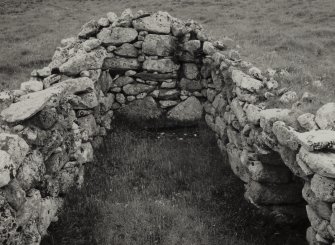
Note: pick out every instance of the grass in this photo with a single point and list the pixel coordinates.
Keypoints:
(296, 35)
(148, 188)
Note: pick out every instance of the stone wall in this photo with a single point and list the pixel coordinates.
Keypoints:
(158, 71)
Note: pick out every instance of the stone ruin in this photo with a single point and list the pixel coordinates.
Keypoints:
(158, 71)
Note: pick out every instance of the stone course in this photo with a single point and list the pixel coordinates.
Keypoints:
(158, 71)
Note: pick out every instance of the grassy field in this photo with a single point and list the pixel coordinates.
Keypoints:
(296, 35)
(166, 188)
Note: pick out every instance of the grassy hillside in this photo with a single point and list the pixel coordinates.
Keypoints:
(296, 35)
(166, 188)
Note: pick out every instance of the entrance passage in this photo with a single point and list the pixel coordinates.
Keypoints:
(163, 187)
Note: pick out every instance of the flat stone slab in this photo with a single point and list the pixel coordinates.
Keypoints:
(319, 162)
(154, 77)
(116, 63)
(30, 104)
(244, 81)
(156, 23)
(135, 89)
(162, 65)
(160, 45)
(84, 61)
(317, 139)
(117, 35)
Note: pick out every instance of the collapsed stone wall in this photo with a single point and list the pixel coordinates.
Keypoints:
(158, 71)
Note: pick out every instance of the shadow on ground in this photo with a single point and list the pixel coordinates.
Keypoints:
(163, 187)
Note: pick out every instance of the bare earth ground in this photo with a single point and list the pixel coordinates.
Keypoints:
(296, 35)
(164, 188)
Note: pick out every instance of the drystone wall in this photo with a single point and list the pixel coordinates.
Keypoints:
(158, 71)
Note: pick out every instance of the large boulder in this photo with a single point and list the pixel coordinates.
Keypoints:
(160, 45)
(156, 23)
(188, 111)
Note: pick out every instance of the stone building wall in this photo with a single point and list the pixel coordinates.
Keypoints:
(158, 71)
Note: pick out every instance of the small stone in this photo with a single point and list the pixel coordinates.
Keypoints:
(131, 98)
(130, 73)
(45, 72)
(88, 125)
(256, 73)
(286, 135)
(120, 98)
(168, 94)
(171, 84)
(235, 163)
(91, 44)
(289, 97)
(116, 63)
(208, 48)
(15, 195)
(161, 66)
(117, 36)
(135, 89)
(112, 17)
(89, 29)
(47, 118)
(167, 103)
(6, 168)
(323, 188)
(272, 84)
(104, 22)
(253, 114)
(239, 112)
(127, 50)
(325, 116)
(246, 82)
(190, 70)
(307, 121)
(141, 96)
(32, 86)
(122, 81)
